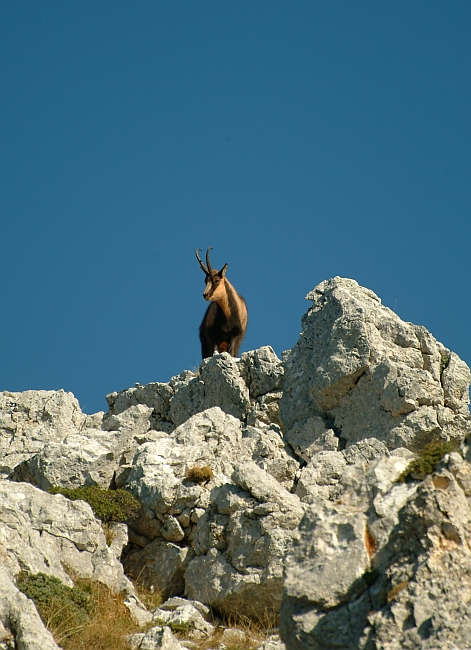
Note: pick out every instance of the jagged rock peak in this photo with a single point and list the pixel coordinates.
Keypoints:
(368, 374)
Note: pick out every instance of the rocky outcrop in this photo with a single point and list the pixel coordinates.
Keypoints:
(43, 533)
(263, 485)
(398, 578)
(236, 523)
(367, 374)
(31, 419)
(378, 563)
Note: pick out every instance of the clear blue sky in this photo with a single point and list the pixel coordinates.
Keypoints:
(301, 140)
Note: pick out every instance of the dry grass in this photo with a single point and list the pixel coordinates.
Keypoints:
(200, 475)
(256, 631)
(86, 617)
(90, 617)
(150, 597)
(397, 590)
(108, 627)
(109, 533)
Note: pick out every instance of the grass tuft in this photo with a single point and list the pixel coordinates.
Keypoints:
(199, 474)
(444, 361)
(428, 460)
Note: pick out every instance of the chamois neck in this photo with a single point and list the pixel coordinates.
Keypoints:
(223, 303)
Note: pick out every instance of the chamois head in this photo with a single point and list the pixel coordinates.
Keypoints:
(214, 279)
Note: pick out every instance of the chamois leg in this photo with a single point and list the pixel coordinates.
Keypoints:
(207, 347)
(235, 345)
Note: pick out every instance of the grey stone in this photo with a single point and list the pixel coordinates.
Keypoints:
(40, 532)
(262, 370)
(155, 395)
(218, 384)
(321, 476)
(358, 364)
(311, 437)
(417, 595)
(159, 566)
(241, 543)
(157, 638)
(185, 618)
(30, 419)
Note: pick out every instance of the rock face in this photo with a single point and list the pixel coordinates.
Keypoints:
(264, 485)
(377, 563)
(368, 374)
(231, 531)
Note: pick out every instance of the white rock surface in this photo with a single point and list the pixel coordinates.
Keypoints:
(358, 365)
(184, 618)
(157, 638)
(40, 532)
(28, 420)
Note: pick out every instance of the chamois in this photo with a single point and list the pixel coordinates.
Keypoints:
(225, 321)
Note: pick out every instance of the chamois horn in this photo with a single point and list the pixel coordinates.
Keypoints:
(208, 263)
(203, 268)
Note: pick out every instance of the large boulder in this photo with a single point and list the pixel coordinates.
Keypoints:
(368, 374)
(30, 419)
(241, 542)
(96, 456)
(250, 384)
(43, 533)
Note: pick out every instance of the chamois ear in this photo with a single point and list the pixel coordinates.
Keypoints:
(222, 272)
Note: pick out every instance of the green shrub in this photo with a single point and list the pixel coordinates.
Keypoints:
(111, 506)
(63, 609)
(444, 361)
(428, 460)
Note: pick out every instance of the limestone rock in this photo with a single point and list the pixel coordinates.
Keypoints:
(416, 594)
(160, 565)
(157, 638)
(155, 395)
(265, 410)
(218, 384)
(184, 618)
(241, 543)
(359, 366)
(273, 643)
(321, 476)
(262, 370)
(208, 439)
(93, 457)
(40, 532)
(330, 538)
(30, 419)
(312, 437)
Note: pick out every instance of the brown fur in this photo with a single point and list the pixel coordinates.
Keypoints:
(225, 322)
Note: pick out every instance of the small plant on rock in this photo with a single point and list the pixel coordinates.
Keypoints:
(200, 475)
(110, 506)
(444, 361)
(82, 617)
(428, 460)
